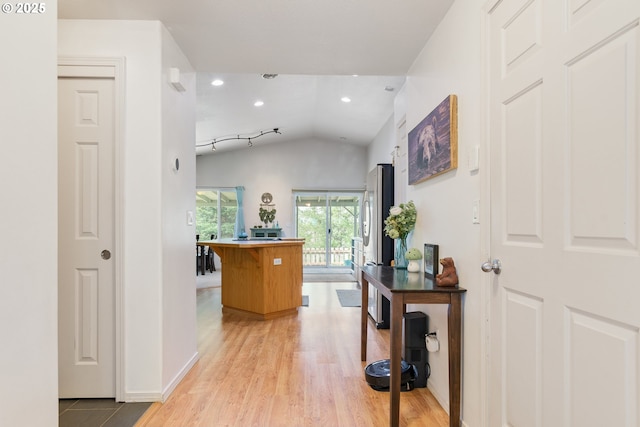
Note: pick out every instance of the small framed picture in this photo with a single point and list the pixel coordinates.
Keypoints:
(430, 260)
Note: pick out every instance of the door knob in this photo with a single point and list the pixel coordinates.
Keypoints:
(105, 254)
(494, 265)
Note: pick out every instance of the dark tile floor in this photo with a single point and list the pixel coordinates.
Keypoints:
(99, 413)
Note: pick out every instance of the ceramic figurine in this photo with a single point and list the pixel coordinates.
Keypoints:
(413, 255)
(449, 276)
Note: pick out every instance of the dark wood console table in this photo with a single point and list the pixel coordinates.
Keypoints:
(401, 288)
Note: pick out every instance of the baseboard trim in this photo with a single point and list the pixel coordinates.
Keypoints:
(444, 402)
(179, 377)
(141, 397)
(162, 397)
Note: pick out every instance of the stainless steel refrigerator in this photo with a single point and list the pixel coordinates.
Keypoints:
(378, 248)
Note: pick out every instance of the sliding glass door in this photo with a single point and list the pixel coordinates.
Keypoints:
(328, 221)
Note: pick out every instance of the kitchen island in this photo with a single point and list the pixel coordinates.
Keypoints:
(261, 279)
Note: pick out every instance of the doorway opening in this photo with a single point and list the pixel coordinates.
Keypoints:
(328, 221)
(89, 228)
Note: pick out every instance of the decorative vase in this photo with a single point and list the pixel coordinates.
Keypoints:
(413, 266)
(399, 259)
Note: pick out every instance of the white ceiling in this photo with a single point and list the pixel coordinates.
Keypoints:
(314, 46)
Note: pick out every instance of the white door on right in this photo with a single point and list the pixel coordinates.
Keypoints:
(564, 123)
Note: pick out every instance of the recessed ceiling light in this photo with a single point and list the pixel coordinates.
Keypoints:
(389, 88)
(345, 99)
(258, 103)
(217, 82)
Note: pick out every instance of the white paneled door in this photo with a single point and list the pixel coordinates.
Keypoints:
(564, 120)
(86, 237)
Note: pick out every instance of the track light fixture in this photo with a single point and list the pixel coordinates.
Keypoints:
(238, 137)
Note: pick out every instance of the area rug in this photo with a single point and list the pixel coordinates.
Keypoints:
(305, 300)
(349, 297)
(327, 277)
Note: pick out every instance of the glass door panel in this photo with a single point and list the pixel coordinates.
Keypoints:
(328, 222)
(311, 217)
(344, 220)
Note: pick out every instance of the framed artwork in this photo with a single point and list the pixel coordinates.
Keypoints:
(430, 260)
(433, 143)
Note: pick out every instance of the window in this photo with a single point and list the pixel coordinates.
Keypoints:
(215, 212)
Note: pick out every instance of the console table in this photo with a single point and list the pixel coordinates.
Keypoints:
(401, 288)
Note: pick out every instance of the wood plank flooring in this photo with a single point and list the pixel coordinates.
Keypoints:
(300, 370)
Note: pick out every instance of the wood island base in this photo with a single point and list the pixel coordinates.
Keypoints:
(261, 279)
(258, 316)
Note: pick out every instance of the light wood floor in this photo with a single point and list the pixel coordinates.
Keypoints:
(301, 370)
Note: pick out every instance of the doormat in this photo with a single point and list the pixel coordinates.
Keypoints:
(349, 297)
(305, 300)
(327, 277)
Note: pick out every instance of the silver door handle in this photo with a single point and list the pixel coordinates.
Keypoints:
(494, 265)
(105, 254)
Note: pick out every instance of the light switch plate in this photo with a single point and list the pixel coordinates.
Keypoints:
(474, 158)
(475, 216)
(190, 218)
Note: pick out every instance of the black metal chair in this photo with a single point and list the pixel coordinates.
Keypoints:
(201, 257)
(210, 259)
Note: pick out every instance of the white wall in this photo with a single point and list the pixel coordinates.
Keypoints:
(149, 191)
(380, 149)
(179, 341)
(278, 168)
(450, 63)
(29, 226)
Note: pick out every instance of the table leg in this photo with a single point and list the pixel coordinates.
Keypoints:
(364, 307)
(397, 308)
(455, 358)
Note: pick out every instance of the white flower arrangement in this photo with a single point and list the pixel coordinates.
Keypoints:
(401, 220)
(395, 210)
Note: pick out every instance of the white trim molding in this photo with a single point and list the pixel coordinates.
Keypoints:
(115, 68)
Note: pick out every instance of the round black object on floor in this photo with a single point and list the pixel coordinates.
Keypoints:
(378, 375)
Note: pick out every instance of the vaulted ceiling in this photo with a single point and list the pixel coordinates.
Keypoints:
(315, 48)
